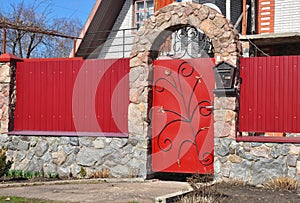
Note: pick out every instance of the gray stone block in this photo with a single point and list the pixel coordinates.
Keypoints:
(265, 169)
(33, 141)
(74, 141)
(50, 167)
(47, 157)
(68, 149)
(284, 149)
(53, 147)
(30, 154)
(217, 167)
(222, 150)
(292, 160)
(241, 171)
(86, 141)
(70, 160)
(23, 145)
(4, 138)
(256, 144)
(226, 169)
(87, 157)
(41, 147)
(223, 159)
(64, 141)
(120, 171)
(20, 157)
(292, 172)
(63, 171)
(36, 164)
(99, 143)
(76, 150)
(275, 152)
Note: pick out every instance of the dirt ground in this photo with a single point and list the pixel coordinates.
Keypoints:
(138, 191)
(241, 194)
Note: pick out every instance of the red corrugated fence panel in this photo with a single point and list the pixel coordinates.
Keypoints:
(270, 94)
(72, 95)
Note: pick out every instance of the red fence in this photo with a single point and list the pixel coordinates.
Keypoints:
(72, 95)
(270, 94)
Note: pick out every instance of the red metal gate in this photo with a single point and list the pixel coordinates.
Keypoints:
(182, 121)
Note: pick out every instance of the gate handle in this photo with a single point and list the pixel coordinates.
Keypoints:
(208, 107)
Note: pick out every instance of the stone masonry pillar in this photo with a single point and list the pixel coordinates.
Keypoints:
(225, 40)
(7, 91)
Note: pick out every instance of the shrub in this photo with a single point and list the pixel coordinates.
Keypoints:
(204, 190)
(4, 165)
(82, 172)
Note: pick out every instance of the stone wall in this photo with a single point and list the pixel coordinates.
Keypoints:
(123, 157)
(254, 162)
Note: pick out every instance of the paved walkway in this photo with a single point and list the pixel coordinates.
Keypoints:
(95, 190)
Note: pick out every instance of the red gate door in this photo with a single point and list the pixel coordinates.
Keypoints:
(182, 121)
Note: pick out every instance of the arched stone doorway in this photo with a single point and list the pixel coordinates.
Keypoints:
(147, 42)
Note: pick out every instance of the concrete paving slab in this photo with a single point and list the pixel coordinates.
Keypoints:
(93, 191)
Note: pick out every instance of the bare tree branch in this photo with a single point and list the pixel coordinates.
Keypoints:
(30, 32)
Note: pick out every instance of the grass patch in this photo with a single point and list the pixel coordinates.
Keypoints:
(24, 200)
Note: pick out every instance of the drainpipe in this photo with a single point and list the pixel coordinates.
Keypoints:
(244, 24)
(253, 13)
(228, 11)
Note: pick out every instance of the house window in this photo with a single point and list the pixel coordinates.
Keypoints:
(143, 9)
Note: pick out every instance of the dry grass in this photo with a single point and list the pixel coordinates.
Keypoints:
(196, 198)
(283, 183)
(104, 173)
(235, 182)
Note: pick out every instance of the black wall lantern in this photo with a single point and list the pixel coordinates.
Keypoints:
(224, 75)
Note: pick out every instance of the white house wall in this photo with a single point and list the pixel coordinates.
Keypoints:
(113, 47)
(287, 16)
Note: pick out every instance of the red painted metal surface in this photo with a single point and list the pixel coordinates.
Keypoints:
(72, 95)
(182, 121)
(158, 4)
(267, 139)
(270, 94)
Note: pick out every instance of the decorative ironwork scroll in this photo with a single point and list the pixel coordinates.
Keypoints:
(190, 111)
(187, 42)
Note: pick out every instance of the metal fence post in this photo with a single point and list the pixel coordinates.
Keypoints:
(123, 43)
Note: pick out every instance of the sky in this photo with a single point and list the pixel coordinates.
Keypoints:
(61, 8)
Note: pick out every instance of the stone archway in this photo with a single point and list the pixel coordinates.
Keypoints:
(214, 25)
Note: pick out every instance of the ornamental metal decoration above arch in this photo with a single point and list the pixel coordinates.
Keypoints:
(220, 31)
